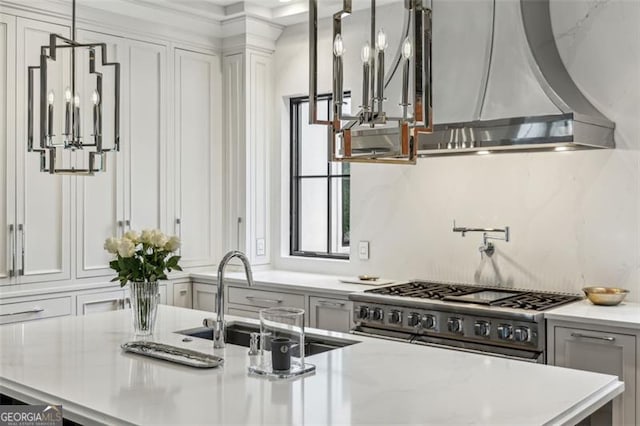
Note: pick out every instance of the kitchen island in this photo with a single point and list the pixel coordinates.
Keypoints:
(77, 362)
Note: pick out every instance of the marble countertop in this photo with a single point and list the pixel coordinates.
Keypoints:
(626, 314)
(77, 362)
(288, 280)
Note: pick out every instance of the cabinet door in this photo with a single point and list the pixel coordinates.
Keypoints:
(330, 314)
(100, 302)
(43, 200)
(145, 144)
(198, 150)
(182, 295)
(204, 297)
(7, 148)
(601, 352)
(99, 207)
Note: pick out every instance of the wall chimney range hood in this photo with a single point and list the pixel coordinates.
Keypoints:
(552, 116)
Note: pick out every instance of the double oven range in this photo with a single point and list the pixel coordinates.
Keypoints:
(494, 321)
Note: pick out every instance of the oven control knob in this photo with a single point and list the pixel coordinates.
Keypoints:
(377, 314)
(364, 312)
(454, 325)
(482, 328)
(395, 317)
(413, 319)
(504, 331)
(428, 322)
(521, 334)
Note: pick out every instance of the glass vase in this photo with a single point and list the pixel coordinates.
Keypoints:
(144, 306)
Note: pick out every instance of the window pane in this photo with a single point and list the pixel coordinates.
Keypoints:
(340, 206)
(313, 143)
(313, 215)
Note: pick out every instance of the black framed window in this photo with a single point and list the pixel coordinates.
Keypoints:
(319, 215)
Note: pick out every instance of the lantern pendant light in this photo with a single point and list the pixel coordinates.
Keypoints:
(58, 119)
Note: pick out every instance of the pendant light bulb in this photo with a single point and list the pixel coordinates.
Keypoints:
(51, 97)
(95, 97)
(76, 101)
(338, 46)
(365, 54)
(406, 48)
(381, 40)
(67, 95)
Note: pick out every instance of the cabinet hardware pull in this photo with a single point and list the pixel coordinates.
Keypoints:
(121, 226)
(12, 250)
(238, 224)
(586, 336)
(127, 223)
(35, 310)
(333, 304)
(21, 228)
(260, 299)
(183, 292)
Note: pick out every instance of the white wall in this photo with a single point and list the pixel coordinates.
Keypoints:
(574, 215)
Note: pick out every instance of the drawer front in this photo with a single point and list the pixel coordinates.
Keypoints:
(245, 313)
(330, 314)
(263, 298)
(182, 295)
(101, 302)
(204, 297)
(35, 309)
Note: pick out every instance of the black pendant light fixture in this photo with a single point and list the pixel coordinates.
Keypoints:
(59, 118)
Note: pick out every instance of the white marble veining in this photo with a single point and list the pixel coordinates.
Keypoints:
(626, 314)
(76, 361)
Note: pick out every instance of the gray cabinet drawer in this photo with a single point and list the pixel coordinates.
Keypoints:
(34, 309)
(263, 298)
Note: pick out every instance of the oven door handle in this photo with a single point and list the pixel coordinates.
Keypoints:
(475, 351)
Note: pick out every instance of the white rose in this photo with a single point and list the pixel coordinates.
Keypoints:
(111, 245)
(172, 244)
(158, 239)
(126, 248)
(133, 236)
(147, 236)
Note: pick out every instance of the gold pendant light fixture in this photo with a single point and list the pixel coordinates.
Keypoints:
(373, 135)
(58, 128)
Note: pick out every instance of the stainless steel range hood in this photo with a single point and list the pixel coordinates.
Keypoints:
(554, 115)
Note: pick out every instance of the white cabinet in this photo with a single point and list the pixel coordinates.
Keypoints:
(248, 92)
(602, 350)
(330, 314)
(100, 198)
(102, 301)
(198, 153)
(7, 149)
(204, 297)
(145, 137)
(33, 308)
(42, 200)
(247, 302)
(182, 295)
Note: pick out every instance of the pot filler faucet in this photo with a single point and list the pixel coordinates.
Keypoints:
(218, 326)
(487, 247)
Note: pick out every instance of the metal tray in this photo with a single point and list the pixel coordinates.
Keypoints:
(173, 354)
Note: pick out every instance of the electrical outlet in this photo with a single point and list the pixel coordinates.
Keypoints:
(363, 250)
(260, 247)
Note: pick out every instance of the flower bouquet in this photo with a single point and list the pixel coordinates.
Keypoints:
(141, 260)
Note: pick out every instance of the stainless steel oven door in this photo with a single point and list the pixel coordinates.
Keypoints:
(490, 350)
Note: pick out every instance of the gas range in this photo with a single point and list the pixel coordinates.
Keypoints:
(490, 320)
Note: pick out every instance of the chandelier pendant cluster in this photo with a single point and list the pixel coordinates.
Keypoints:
(366, 135)
(60, 125)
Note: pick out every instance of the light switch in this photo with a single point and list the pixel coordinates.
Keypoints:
(260, 247)
(363, 250)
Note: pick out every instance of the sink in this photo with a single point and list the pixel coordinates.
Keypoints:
(239, 334)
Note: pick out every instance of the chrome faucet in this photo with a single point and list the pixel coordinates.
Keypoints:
(218, 326)
(487, 247)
